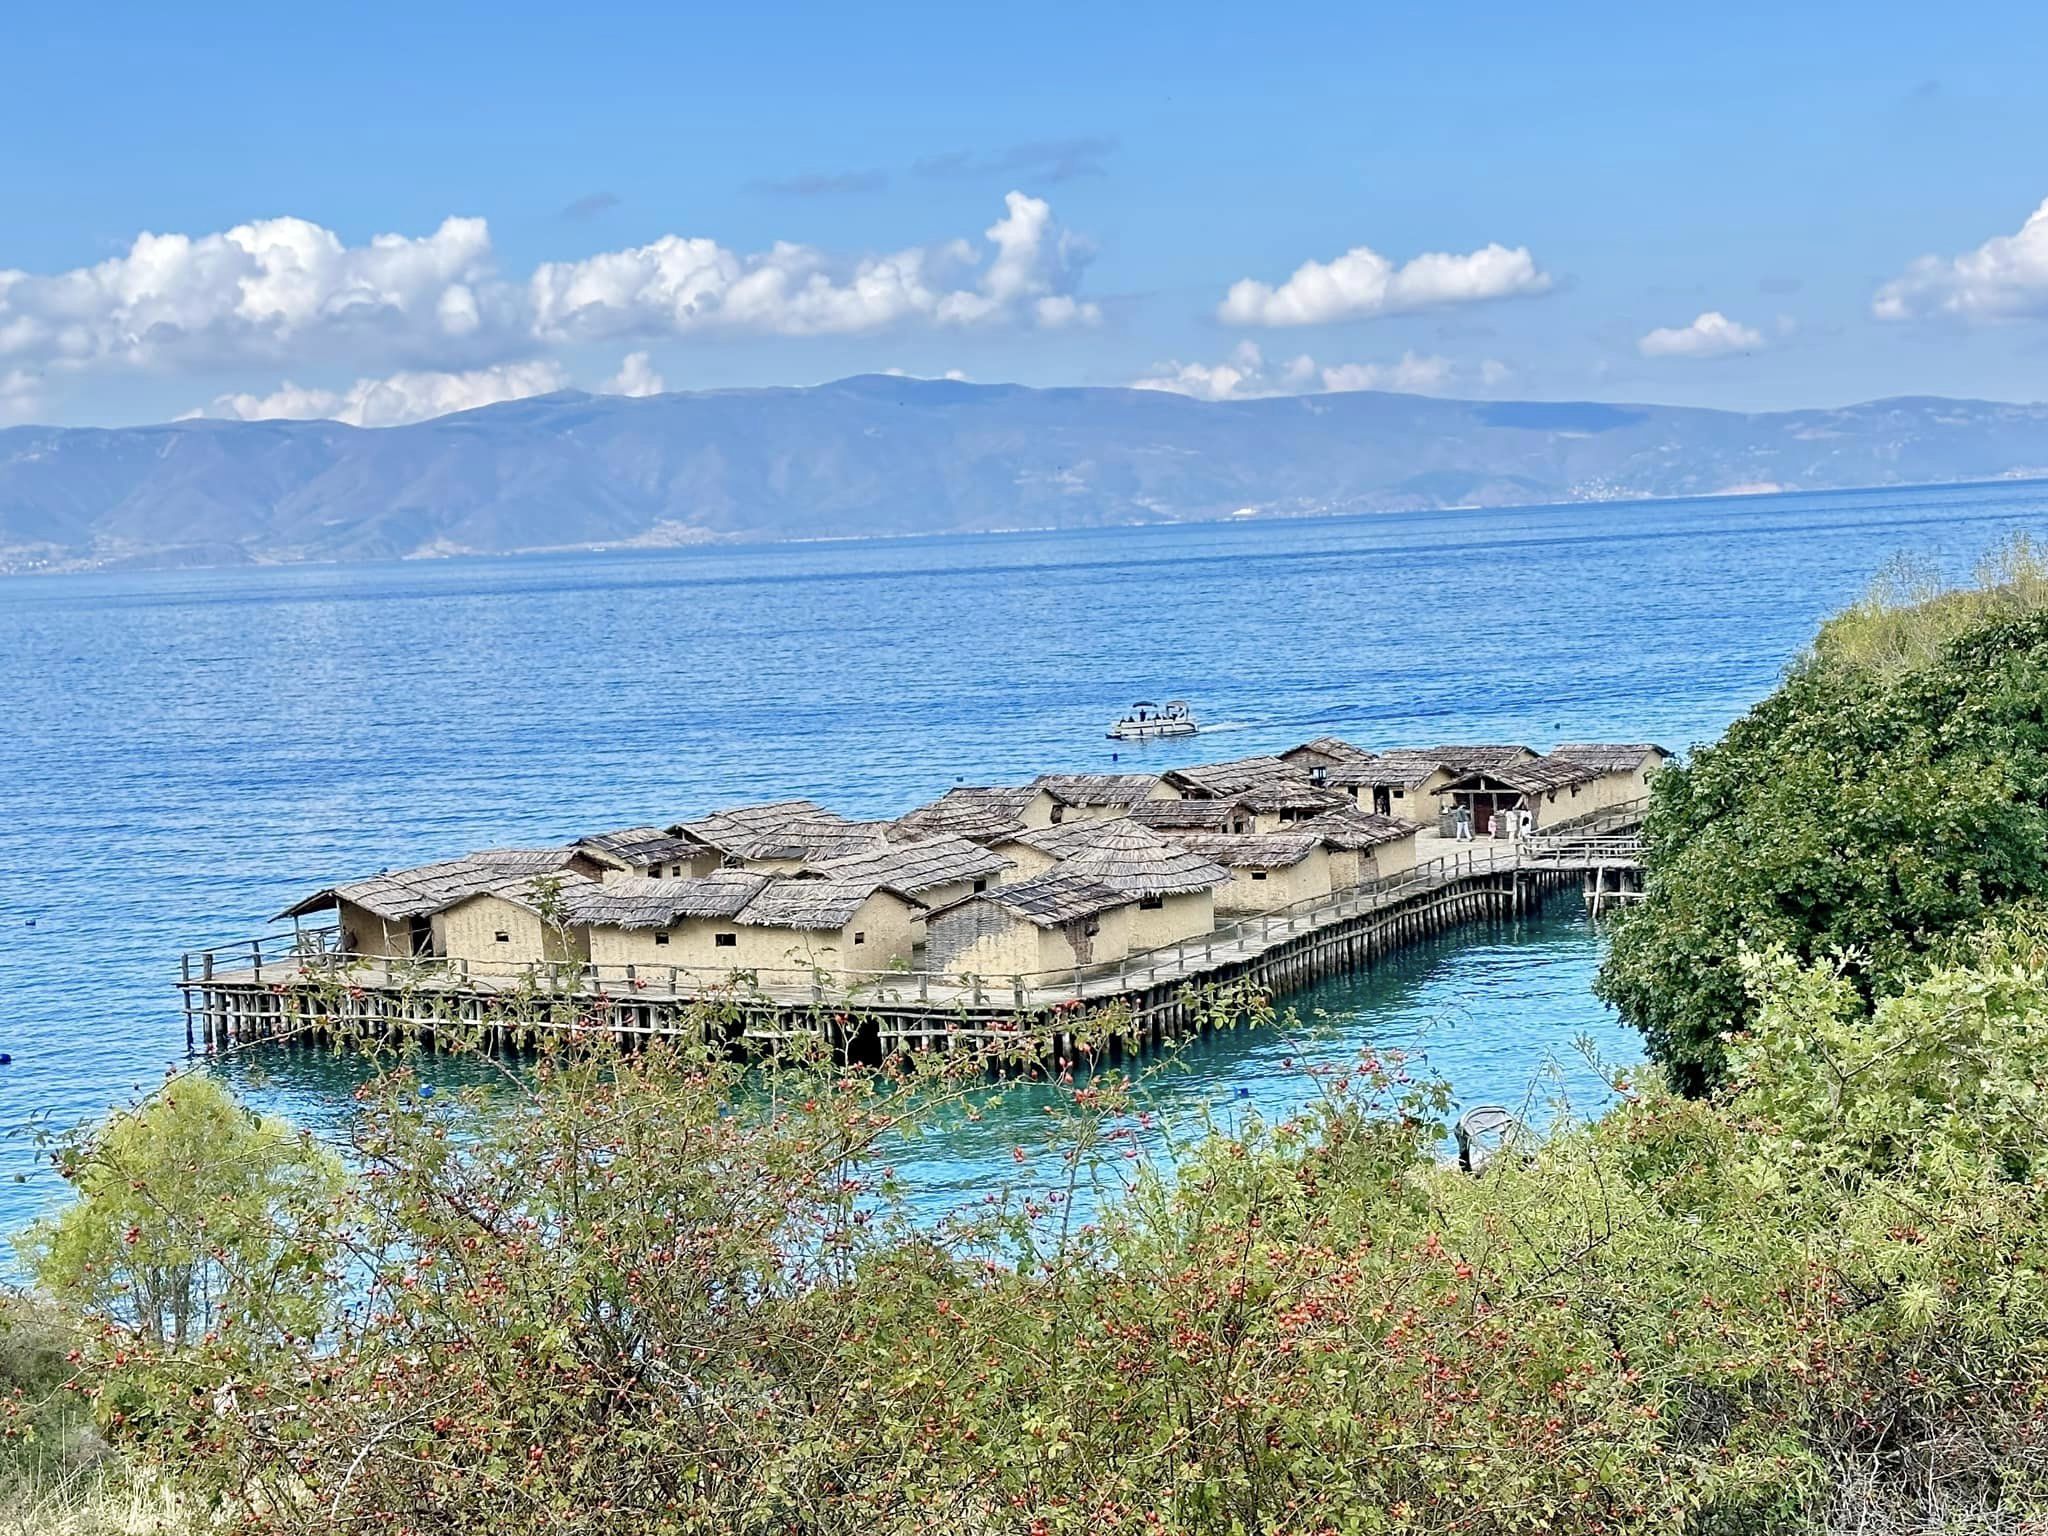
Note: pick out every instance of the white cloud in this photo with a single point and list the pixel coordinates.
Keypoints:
(1711, 334)
(1362, 283)
(1246, 375)
(267, 290)
(287, 291)
(401, 398)
(2005, 278)
(678, 286)
(953, 375)
(636, 377)
(21, 395)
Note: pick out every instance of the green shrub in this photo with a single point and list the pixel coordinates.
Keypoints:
(650, 1293)
(1893, 793)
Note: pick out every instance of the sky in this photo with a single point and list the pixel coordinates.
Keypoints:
(380, 212)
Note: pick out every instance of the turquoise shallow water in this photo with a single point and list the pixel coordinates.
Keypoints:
(183, 753)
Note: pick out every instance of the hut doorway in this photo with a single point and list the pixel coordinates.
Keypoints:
(1382, 801)
(421, 936)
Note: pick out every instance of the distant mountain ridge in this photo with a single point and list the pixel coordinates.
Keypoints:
(882, 455)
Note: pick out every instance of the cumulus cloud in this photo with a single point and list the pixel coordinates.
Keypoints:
(289, 292)
(1362, 283)
(401, 398)
(1247, 375)
(681, 286)
(267, 290)
(21, 395)
(636, 377)
(2005, 278)
(1711, 334)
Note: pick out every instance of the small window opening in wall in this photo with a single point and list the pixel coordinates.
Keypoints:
(661, 938)
(981, 884)
(1059, 814)
(504, 937)
(859, 937)
(727, 940)
(1151, 903)
(1092, 929)
(1258, 874)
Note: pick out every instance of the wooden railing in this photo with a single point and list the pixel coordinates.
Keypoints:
(310, 956)
(1581, 852)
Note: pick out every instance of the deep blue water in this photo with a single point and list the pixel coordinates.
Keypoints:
(182, 753)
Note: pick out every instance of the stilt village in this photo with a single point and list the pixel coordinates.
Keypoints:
(990, 904)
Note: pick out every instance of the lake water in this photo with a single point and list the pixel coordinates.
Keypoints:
(183, 753)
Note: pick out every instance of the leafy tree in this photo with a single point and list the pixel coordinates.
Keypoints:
(191, 1213)
(649, 1293)
(1892, 793)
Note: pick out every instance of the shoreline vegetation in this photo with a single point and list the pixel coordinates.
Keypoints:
(1794, 1281)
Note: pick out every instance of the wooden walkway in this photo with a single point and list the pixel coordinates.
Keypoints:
(292, 986)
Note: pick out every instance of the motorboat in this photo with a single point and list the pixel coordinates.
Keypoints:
(1151, 722)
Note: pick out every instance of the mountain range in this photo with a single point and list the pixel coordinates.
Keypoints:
(883, 455)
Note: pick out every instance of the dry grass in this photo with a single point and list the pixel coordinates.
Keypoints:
(1910, 613)
(90, 1501)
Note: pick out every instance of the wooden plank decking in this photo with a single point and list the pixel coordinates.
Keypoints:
(290, 985)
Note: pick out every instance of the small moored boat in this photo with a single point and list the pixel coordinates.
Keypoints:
(1149, 722)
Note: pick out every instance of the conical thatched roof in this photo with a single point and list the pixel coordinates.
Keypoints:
(1126, 857)
(984, 812)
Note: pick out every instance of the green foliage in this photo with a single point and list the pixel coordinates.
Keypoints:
(191, 1214)
(1892, 793)
(653, 1293)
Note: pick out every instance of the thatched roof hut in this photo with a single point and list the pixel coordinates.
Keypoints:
(1212, 781)
(1256, 850)
(1193, 816)
(638, 902)
(1126, 857)
(637, 850)
(404, 894)
(784, 831)
(1097, 791)
(1402, 768)
(1612, 757)
(982, 812)
(1470, 759)
(1533, 776)
(927, 865)
(1358, 831)
(1324, 753)
(809, 903)
(1058, 896)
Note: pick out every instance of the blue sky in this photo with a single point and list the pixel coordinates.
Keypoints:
(1718, 207)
